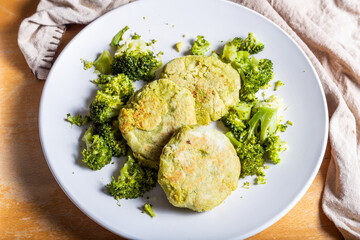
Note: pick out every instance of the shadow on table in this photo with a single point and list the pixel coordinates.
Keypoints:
(50, 206)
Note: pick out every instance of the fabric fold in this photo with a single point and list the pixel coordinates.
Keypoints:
(40, 34)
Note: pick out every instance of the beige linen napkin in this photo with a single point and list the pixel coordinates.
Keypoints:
(327, 30)
(40, 35)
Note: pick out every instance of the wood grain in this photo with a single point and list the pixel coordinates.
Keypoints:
(32, 205)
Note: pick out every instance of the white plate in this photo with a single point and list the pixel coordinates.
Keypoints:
(244, 212)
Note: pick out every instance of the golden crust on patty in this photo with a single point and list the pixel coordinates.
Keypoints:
(214, 84)
(198, 168)
(152, 115)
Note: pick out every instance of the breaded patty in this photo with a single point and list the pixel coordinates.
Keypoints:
(199, 168)
(152, 115)
(214, 84)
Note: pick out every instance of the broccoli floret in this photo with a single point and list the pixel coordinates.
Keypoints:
(104, 107)
(251, 44)
(149, 210)
(119, 85)
(260, 172)
(134, 180)
(103, 62)
(232, 50)
(118, 37)
(250, 153)
(281, 127)
(237, 117)
(249, 134)
(200, 46)
(97, 153)
(111, 134)
(273, 147)
(77, 119)
(254, 75)
(86, 64)
(265, 119)
(237, 42)
(135, 61)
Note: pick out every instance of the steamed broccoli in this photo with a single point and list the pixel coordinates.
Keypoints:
(103, 62)
(119, 85)
(260, 180)
(278, 84)
(104, 107)
(250, 153)
(200, 46)
(263, 123)
(134, 180)
(253, 129)
(135, 60)
(112, 136)
(273, 147)
(254, 73)
(77, 119)
(97, 153)
(251, 44)
(149, 210)
(237, 118)
(118, 37)
(231, 50)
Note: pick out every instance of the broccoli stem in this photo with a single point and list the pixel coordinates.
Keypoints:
(103, 62)
(267, 118)
(233, 139)
(118, 37)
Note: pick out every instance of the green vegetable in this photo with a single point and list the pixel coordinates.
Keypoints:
(118, 37)
(148, 209)
(77, 119)
(237, 118)
(253, 128)
(254, 73)
(260, 172)
(134, 180)
(266, 118)
(104, 107)
(281, 127)
(103, 62)
(252, 45)
(119, 85)
(87, 64)
(112, 136)
(273, 147)
(136, 36)
(260, 180)
(200, 46)
(113, 94)
(97, 153)
(232, 51)
(135, 60)
(278, 84)
(250, 153)
(246, 185)
(179, 46)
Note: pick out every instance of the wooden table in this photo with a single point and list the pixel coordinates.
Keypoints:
(32, 205)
